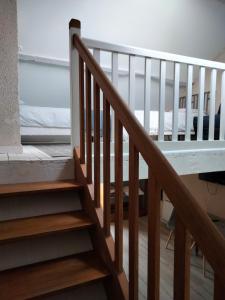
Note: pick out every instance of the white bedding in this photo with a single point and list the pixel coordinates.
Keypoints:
(168, 121)
(51, 121)
(44, 117)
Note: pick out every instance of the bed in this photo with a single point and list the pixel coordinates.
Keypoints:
(52, 125)
(44, 124)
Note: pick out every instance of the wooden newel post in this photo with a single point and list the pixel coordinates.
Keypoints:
(74, 28)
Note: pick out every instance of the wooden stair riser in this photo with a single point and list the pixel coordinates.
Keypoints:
(33, 250)
(34, 171)
(88, 291)
(25, 206)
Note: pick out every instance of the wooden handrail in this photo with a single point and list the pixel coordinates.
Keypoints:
(187, 209)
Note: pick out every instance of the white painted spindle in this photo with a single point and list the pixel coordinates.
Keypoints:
(201, 103)
(222, 109)
(212, 103)
(176, 100)
(115, 79)
(74, 28)
(132, 82)
(162, 91)
(96, 54)
(147, 99)
(188, 103)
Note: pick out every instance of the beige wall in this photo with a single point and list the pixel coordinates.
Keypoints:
(210, 196)
(9, 106)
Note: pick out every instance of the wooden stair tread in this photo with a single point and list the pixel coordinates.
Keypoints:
(34, 187)
(21, 228)
(28, 227)
(52, 276)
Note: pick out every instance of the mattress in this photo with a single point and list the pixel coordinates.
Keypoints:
(168, 121)
(48, 124)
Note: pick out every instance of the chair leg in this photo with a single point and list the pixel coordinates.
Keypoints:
(169, 238)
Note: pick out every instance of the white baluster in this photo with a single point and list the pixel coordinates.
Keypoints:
(201, 103)
(212, 103)
(132, 82)
(74, 86)
(222, 109)
(147, 99)
(188, 103)
(96, 54)
(115, 79)
(176, 100)
(162, 91)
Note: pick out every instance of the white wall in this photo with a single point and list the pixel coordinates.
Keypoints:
(193, 27)
(9, 108)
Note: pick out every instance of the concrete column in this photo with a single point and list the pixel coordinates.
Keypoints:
(9, 104)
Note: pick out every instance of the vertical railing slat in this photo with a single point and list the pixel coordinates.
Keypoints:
(212, 103)
(189, 103)
(96, 144)
(118, 195)
(147, 95)
(106, 165)
(88, 127)
(96, 54)
(181, 262)
(222, 109)
(115, 80)
(162, 92)
(132, 82)
(74, 86)
(176, 100)
(201, 103)
(82, 129)
(133, 220)
(154, 195)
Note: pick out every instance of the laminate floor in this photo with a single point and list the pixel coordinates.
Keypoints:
(201, 287)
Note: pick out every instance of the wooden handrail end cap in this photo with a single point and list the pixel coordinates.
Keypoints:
(74, 23)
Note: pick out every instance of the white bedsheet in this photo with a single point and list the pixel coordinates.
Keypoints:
(168, 121)
(44, 117)
(49, 117)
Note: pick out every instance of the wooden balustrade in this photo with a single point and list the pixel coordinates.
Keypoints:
(88, 126)
(154, 192)
(97, 144)
(181, 262)
(133, 220)
(82, 131)
(106, 165)
(190, 217)
(118, 194)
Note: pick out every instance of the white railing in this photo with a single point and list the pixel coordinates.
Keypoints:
(193, 70)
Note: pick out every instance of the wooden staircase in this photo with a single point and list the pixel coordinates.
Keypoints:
(58, 274)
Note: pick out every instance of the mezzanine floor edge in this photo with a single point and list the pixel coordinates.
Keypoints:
(35, 165)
